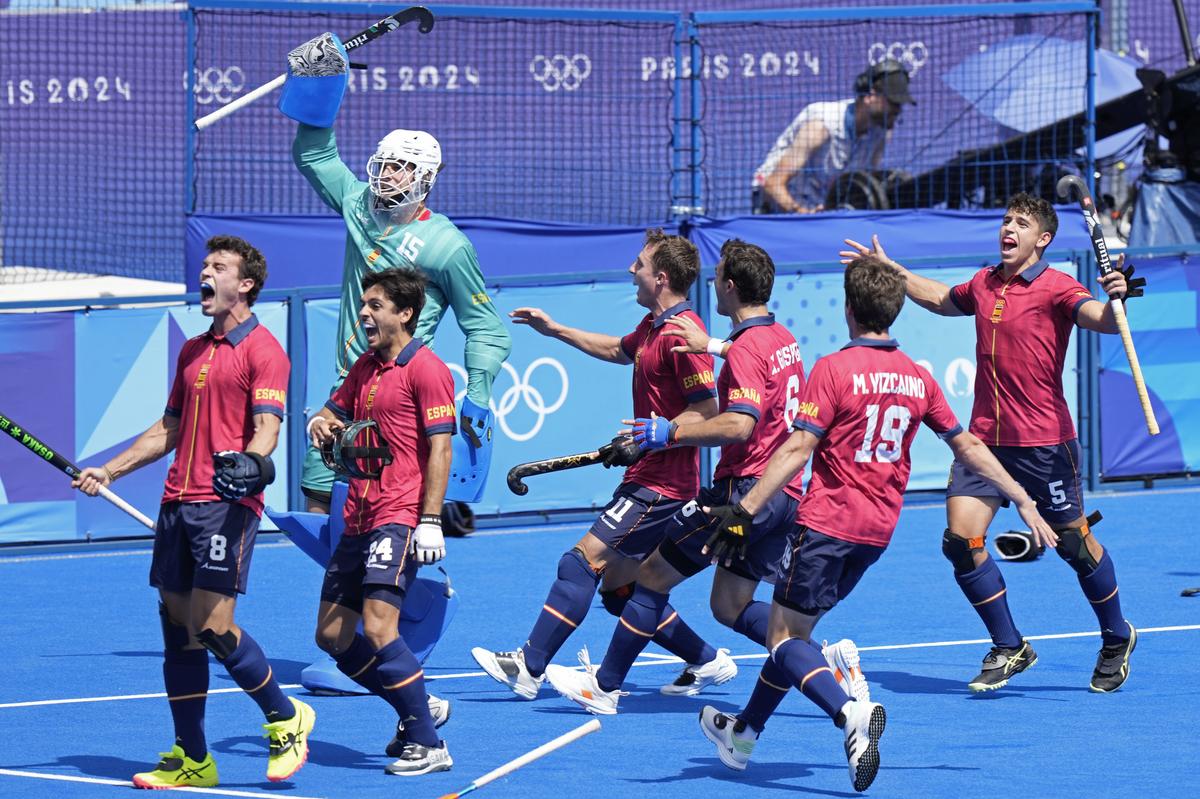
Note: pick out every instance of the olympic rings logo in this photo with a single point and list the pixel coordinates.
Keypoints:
(216, 85)
(913, 55)
(560, 72)
(522, 391)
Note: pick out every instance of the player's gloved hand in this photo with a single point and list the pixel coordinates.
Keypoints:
(428, 545)
(657, 432)
(621, 451)
(237, 475)
(733, 528)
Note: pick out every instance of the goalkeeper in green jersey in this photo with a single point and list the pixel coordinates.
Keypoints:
(388, 225)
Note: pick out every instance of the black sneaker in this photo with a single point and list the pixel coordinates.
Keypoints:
(1002, 663)
(416, 760)
(1112, 666)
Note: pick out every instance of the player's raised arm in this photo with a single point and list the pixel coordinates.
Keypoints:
(932, 295)
(598, 345)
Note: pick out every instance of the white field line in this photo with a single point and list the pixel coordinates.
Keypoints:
(656, 660)
(127, 784)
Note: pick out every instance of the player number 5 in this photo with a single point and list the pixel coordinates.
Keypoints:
(891, 434)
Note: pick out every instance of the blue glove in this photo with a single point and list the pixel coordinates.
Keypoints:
(237, 475)
(657, 432)
(318, 73)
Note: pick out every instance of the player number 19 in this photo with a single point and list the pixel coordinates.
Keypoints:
(891, 434)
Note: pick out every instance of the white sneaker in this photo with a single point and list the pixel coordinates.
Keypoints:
(509, 668)
(863, 724)
(438, 708)
(734, 739)
(694, 679)
(842, 658)
(581, 687)
(416, 760)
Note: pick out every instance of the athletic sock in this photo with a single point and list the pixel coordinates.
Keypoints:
(985, 590)
(359, 663)
(770, 689)
(403, 682)
(1100, 588)
(635, 628)
(567, 604)
(677, 637)
(185, 675)
(248, 667)
(752, 621)
(807, 669)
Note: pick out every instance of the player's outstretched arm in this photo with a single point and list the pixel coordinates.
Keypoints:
(159, 439)
(974, 453)
(598, 345)
(724, 429)
(931, 295)
(694, 338)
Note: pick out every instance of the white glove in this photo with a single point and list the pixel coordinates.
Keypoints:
(428, 544)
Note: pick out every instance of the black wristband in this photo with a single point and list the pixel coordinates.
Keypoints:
(430, 518)
(266, 470)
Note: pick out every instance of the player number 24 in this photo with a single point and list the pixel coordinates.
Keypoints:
(891, 435)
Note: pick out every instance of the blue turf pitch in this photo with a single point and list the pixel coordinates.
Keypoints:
(85, 626)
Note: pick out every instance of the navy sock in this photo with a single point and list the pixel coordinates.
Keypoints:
(248, 667)
(806, 669)
(752, 621)
(985, 590)
(358, 663)
(185, 675)
(675, 636)
(566, 606)
(1100, 588)
(770, 689)
(637, 626)
(403, 682)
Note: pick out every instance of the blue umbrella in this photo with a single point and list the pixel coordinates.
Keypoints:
(1029, 81)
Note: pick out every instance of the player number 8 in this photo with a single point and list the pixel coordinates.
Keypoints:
(216, 547)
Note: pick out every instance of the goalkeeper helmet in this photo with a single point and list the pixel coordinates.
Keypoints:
(402, 171)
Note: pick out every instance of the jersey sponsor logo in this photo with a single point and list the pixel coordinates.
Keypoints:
(524, 400)
(558, 71)
(784, 357)
(439, 412)
(480, 298)
(699, 379)
(751, 394)
(202, 376)
(810, 409)
(888, 383)
(998, 311)
(271, 395)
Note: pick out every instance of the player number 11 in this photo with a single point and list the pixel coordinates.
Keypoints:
(891, 434)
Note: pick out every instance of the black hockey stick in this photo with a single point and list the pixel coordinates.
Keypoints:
(50, 456)
(419, 14)
(1067, 185)
(626, 453)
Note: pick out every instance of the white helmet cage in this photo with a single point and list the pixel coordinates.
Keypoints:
(403, 168)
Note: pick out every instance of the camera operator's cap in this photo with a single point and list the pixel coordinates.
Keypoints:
(894, 86)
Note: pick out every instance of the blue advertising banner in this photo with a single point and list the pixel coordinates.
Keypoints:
(101, 377)
(1166, 333)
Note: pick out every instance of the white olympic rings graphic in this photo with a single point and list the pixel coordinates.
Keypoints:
(913, 55)
(560, 71)
(216, 85)
(522, 389)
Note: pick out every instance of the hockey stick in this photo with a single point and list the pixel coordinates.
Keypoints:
(517, 485)
(1066, 185)
(528, 757)
(386, 25)
(34, 445)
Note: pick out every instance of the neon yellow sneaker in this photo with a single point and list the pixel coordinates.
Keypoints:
(177, 770)
(289, 742)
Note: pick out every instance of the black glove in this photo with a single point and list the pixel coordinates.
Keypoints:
(237, 475)
(1133, 286)
(621, 451)
(733, 527)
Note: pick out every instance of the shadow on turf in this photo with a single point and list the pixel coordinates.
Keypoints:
(902, 682)
(321, 751)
